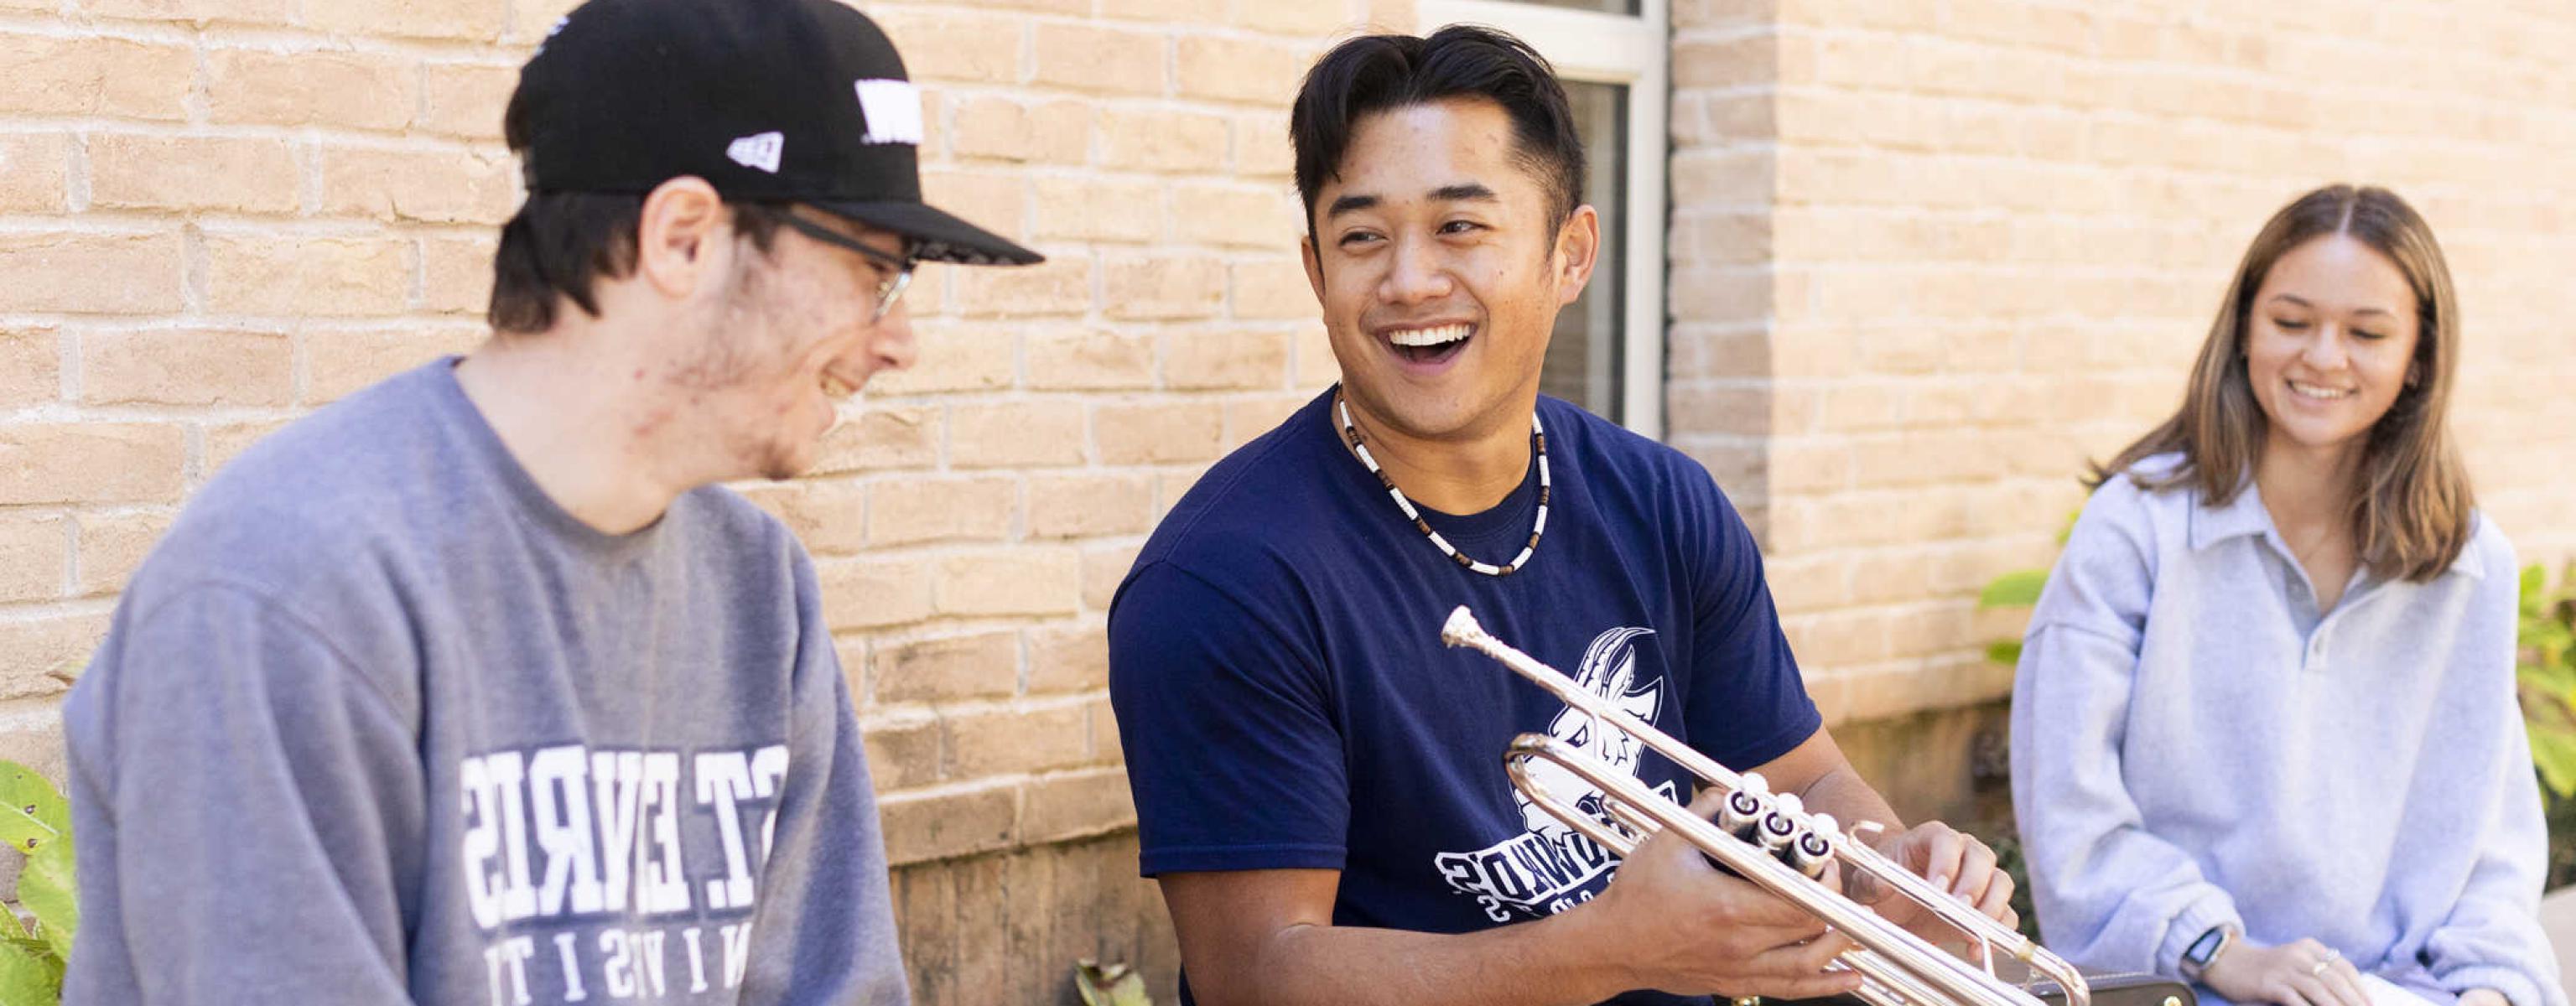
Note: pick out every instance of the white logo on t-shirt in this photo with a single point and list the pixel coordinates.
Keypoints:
(1547, 867)
(759, 150)
(893, 111)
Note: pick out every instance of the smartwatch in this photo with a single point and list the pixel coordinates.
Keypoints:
(2197, 957)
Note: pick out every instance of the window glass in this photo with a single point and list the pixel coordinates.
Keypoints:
(1584, 355)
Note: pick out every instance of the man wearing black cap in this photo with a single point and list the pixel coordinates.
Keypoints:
(474, 687)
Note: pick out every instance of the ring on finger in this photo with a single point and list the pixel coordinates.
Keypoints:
(2322, 964)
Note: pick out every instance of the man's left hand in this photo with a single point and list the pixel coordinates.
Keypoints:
(1956, 863)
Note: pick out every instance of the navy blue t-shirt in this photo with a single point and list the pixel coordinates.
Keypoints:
(1285, 700)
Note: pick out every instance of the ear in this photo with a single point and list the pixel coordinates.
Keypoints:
(1314, 266)
(676, 238)
(1578, 250)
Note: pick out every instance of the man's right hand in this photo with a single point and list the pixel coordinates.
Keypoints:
(1682, 926)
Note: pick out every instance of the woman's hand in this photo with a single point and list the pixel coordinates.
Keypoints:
(2298, 973)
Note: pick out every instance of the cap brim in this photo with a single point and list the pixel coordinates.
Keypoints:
(933, 234)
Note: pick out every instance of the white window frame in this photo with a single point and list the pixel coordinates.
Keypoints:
(1633, 50)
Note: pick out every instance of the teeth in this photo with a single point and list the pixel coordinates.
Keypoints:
(836, 387)
(2313, 391)
(1431, 336)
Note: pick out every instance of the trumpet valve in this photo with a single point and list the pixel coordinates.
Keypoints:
(1741, 814)
(1781, 826)
(1779, 830)
(1813, 847)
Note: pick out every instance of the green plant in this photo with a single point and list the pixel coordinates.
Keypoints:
(36, 821)
(2017, 589)
(1109, 985)
(2545, 676)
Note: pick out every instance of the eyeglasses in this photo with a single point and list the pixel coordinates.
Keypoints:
(888, 290)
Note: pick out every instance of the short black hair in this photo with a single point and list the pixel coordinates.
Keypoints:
(560, 243)
(1374, 73)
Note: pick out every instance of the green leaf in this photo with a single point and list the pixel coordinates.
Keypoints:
(27, 976)
(47, 888)
(2553, 752)
(2556, 680)
(1111, 985)
(2017, 589)
(2006, 652)
(32, 812)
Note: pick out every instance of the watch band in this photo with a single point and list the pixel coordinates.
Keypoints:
(2204, 950)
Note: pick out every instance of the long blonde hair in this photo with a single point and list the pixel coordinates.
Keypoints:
(2411, 518)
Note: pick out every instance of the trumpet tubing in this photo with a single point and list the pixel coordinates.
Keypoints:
(1770, 840)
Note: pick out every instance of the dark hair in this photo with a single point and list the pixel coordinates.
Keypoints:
(2411, 518)
(1374, 73)
(560, 243)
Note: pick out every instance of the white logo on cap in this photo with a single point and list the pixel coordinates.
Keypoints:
(759, 150)
(551, 33)
(893, 109)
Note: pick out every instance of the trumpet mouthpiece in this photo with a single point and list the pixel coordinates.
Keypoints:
(1461, 627)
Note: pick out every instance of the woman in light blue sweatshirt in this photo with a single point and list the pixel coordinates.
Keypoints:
(2264, 728)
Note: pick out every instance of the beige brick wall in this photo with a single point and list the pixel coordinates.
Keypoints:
(1927, 258)
(216, 215)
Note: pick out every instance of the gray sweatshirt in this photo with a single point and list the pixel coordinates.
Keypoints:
(380, 723)
(2195, 743)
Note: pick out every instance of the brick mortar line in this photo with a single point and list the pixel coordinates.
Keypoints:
(990, 783)
(282, 40)
(1994, 102)
(70, 583)
(1946, 657)
(1237, 183)
(404, 139)
(77, 511)
(935, 550)
(1231, 112)
(914, 714)
(148, 223)
(1931, 547)
(36, 711)
(2474, 101)
(86, 27)
(2091, 56)
(76, 413)
(2095, 166)
(296, 40)
(1134, 26)
(30, 613)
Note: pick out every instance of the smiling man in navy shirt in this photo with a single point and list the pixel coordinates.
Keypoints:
(1317, 780)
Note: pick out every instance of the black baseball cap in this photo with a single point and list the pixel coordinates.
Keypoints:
(768, 100)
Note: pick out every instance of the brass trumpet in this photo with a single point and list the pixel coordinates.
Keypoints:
(1771, 840)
